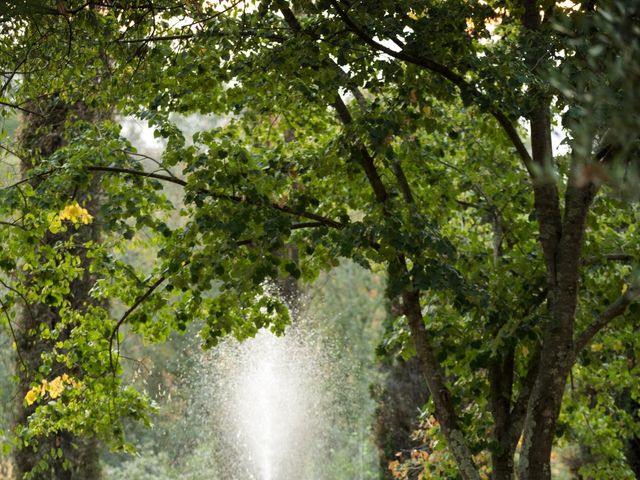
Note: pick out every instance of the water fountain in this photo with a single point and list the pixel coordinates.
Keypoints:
(279, 403)
(275, 407)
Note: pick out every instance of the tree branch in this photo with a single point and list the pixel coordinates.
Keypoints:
(26, 303)
(129, 311)
(29, 179)
(178, 181)
(158, 38)
(609, 257)
(613, 311)
(365, 160)
(20, 108)
(16, 225)
(435, 378)
(140, 173)
(405, 188)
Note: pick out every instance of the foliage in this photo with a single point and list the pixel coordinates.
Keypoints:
(387, 133)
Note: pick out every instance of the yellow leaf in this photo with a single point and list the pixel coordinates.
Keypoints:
(31, 396)
(75, 214)
(596, 347)
(56, 386)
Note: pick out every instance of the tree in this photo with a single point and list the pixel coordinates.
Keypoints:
(408, 153)
(50, 243)
(40, 136)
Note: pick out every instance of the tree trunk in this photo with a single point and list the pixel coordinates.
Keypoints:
(557, 346)
(40, 137)
(563, 265)
(501, 389)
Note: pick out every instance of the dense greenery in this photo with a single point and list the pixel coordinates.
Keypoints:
(413, 137)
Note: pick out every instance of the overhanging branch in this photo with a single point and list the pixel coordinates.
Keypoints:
(232, 198)
(163, 277)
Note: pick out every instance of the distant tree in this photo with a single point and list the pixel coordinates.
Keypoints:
(399, 398)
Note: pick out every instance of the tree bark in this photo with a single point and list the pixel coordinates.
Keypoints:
(40, 137)
(501, 390)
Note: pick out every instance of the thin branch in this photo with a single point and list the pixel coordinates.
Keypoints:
(402, 182)
(151, 159)
(12, 152)
(140, 173)
(129, 311)
(609, 257)
(21, 108)
(27, 305)
(16, 225)
(217, 14)
(13, 334)
(139, 301)
(12, 74)
(613, 311)
(29, 179)
(159, 38)
(136, 361)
